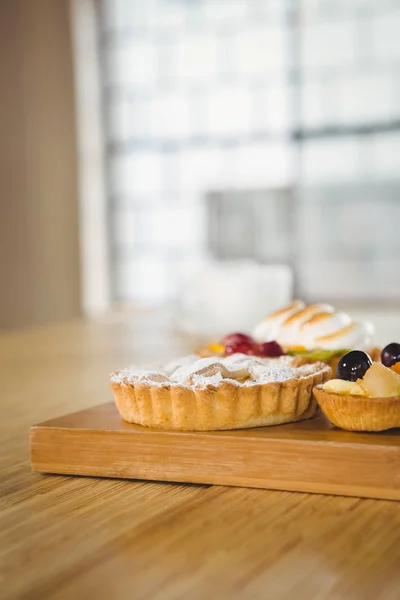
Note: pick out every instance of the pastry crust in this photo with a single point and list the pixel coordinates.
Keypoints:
(358, 413)
(229, 405)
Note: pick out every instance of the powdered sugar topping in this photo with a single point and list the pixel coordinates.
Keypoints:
(199, 373)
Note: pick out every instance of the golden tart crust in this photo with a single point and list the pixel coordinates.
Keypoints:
(229, 404)
(359, 413)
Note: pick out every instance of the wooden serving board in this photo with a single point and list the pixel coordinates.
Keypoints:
(310, 456)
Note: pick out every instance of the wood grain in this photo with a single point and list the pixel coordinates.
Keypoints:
(309, 456)
(64, 537)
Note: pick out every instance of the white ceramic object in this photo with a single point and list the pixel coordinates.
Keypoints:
(223, 297)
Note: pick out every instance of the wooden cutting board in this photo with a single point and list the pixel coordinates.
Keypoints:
(310, 456)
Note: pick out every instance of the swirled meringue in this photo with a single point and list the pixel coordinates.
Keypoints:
(314, 326)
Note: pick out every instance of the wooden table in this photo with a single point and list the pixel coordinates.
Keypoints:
(72, 538)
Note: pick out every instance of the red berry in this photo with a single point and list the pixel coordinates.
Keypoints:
(270, 349)
(237, 338)
(242, 347)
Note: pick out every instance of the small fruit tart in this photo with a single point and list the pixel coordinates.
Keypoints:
(366, 394)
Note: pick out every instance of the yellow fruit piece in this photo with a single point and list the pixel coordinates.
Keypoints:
(396, 368)
(381, 382)
(212, 349)
(298, 348)
(217, 348)
(358, 390)
(340, 386)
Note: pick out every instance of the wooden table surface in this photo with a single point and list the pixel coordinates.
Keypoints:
(67, 538)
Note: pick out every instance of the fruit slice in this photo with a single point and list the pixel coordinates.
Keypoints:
(237, 338)
(381, 382)
(213, 349)
(317, 354)
(238, 342)
(340, 386)
(239, 347)
(217, 348)
(270, 349)
(396, 368)
(353, 365)
(390, 354)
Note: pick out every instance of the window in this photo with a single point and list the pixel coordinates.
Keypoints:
(243, 101)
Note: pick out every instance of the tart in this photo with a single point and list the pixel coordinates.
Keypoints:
(216, 393)
(358, 413)
(365, 397)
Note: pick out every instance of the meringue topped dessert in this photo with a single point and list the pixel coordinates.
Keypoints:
(214, 393)
(365, 396)
(316, 332)
(316, 326)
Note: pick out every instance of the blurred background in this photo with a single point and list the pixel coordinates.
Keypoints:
(212, 158)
